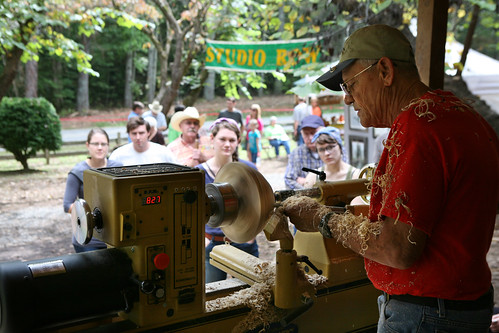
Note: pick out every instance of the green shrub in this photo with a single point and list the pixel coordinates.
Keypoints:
(29, 125)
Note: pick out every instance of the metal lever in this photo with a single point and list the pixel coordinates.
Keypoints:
(321, 174)
(308, 262)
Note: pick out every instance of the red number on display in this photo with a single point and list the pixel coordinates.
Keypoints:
(152, 200)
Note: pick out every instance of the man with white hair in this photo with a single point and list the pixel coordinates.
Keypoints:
(189, 148)
(277, 136)
(434, 194)
(155, 135)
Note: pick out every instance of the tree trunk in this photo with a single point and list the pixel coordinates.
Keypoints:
(82, 94)
(82, 103)
(58, 84)
(469, 38)
(209, 86)
(31, 79)
(128, 79)
(18, 82)
(9, 71)
(151, 73)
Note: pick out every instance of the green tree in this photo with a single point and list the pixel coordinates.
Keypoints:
(30, 125)
(26, 27)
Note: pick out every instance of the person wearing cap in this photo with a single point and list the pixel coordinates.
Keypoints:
(300, 111)
(232, 112)
(189, 148)
(155, 111)
(305, 155)
(332, 153)
(141, 150)
(434, 195)
(277, 136)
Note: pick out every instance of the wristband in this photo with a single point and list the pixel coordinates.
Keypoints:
(324, 227)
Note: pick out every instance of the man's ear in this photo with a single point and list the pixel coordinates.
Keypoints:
(386, 70)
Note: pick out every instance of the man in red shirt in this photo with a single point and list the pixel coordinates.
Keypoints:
(434, 194)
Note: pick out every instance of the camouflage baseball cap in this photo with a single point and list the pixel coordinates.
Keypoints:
(371, 42)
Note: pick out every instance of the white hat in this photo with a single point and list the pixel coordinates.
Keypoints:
(189, 113)
(155, 107)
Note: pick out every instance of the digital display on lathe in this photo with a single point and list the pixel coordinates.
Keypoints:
(151, 200)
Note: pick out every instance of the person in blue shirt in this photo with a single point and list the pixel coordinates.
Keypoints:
(254, 140)
(226, 137)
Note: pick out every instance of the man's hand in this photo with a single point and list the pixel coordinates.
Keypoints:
(494, 327)
(301, 180)
(304, 212)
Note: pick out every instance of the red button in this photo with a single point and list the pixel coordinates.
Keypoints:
(161, 261)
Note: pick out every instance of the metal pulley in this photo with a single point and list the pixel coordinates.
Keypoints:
(84, 220)
(241, 201)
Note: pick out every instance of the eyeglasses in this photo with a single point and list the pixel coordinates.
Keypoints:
(99, 144)
(347, 89)
(328, 148)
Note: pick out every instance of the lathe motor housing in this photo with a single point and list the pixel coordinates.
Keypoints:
(156, 214)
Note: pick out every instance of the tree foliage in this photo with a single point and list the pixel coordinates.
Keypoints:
(29, 27)
(49, 30)
(31, 124)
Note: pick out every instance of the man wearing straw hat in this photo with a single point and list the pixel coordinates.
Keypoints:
(155, 112)
(189, 148)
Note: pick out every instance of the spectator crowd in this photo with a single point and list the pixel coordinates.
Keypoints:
(153, 137)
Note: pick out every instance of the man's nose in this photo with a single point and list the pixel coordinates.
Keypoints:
(348, 99)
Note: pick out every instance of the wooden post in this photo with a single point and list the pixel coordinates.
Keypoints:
(430, 42)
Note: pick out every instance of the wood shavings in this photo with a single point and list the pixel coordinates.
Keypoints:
(347, 226)
(259, 299)
(399, 202)
(421, 108)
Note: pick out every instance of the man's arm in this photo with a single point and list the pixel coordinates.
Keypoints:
(161, 125)
(388, 242)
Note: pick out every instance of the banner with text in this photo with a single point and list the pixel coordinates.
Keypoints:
(261, 56)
